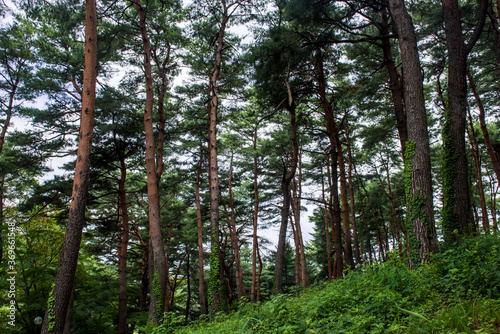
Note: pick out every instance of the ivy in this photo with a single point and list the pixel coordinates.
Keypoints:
(157, 293)
(214, 283)
(50, 310)
(414, 203)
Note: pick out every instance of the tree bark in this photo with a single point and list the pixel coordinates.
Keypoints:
(213, 168)
(60, 296)
(158, 264)
(422, 239)
(457, 205)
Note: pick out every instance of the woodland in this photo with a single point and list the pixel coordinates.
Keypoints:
(253, 166)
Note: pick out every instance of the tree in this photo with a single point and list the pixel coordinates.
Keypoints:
(421, 231)
(55, 316)
(457, 220)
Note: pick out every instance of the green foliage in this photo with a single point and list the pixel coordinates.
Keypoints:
(471, 269)
(457, 293)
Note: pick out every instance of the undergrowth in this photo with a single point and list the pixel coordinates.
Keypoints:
(457, 292)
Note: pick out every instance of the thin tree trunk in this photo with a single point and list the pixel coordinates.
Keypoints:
(395, 83)
(255, 241)
(167, 259)
(297, 251)
(201, 269)
(240, 288)
(477, 162)
(188, 282)
(357, 250)
(158, 281)
(297, 194)
(327, 231)
(259, 275)
(333, 136)
(144, 269)
(484, 128)
(367, 230)
(60, 296)
(390, 195)
(122, 250)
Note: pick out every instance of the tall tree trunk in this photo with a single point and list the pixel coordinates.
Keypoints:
(333, 136)
(215, 254)
(327, 230)
(59, 298)
(240, 287)
(484, 128)
(122, 250)
(395, 83)
(422, 239)
(188, 283)
(285, 189)
(357, 250)
(201, 269)
(297, 194)
(255, 240)
(158, 281)
(456, 205)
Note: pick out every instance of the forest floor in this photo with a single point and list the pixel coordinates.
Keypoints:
(457, 292)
